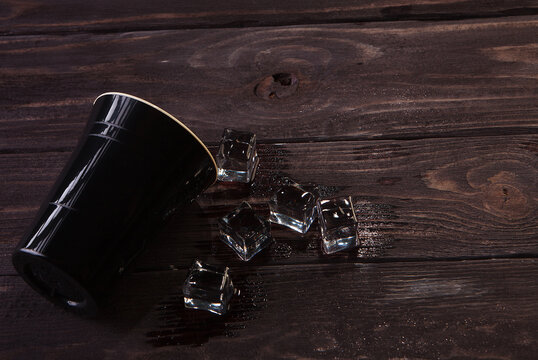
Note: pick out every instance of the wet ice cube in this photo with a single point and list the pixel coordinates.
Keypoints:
(208, 287)
(246, 232)
(237, 158)
(293, 207)
(338, 224)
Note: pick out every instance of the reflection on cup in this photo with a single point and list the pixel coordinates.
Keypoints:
(134, 166)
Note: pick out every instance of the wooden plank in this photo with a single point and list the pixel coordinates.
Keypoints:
(374, 81)
(433, 198)
(31, 17)
(460, 309)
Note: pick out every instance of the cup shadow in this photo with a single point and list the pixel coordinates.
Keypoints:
(152, 295)
(149, 279)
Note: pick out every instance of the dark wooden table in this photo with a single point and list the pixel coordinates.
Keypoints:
(426, 112)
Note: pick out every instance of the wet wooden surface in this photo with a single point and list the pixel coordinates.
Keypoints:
(431, 126)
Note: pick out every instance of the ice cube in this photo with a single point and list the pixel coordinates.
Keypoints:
(237, 158)
(338, 224)
(294, 207)
(246, 232)
(208, 287)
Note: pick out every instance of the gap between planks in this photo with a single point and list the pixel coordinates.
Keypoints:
(484, 132)
(357, 262)
(520, 256)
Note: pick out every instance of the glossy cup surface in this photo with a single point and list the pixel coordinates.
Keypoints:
(134, 166)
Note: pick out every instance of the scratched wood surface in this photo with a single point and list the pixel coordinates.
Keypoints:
(431, 126)
(60, 16)
(381, 80)
(407, 194)
(421, 310)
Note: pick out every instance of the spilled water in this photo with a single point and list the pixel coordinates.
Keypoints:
(180, 326)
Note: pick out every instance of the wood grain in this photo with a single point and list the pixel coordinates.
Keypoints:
(431, 126)
(456, 310)
(374, 81)
(30, 17)
(421, 199)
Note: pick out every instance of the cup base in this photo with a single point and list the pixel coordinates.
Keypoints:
(53, 283)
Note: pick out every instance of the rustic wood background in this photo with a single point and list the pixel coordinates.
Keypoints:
(426, 112)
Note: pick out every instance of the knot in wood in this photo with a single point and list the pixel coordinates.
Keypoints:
(277, 86)
(507, 201)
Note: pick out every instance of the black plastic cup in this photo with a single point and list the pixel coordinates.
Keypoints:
(134, 166)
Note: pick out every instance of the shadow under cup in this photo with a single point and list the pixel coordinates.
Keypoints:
(134, 166)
